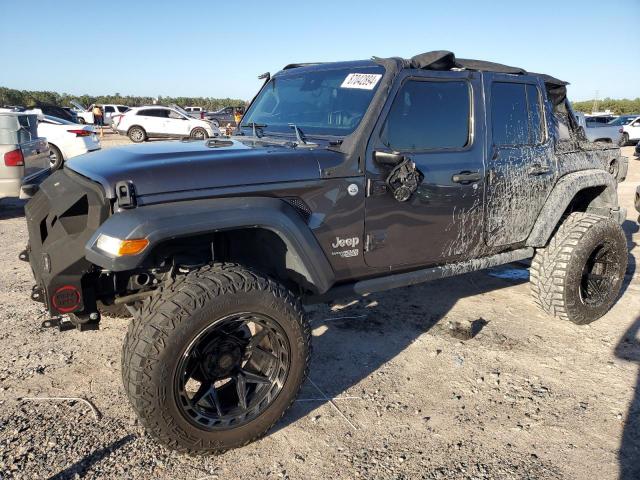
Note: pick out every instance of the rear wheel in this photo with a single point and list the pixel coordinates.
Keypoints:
(216, 358)
(55, 157)
(137, 134)
(577, 277)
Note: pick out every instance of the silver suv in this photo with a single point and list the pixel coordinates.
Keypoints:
(24, 156)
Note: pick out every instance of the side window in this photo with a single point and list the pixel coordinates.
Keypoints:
(143, 113)
(175, 115)
(509, 118)
(517, 116)
(108, 109)
(536, 117)
(429, 115)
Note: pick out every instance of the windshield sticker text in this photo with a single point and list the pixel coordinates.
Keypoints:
(362, 81)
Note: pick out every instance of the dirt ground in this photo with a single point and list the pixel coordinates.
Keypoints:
(392, 393)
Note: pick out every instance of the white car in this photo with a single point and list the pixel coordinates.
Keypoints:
(85, 115)
(631, 129)
(66, 139)
(142, 123)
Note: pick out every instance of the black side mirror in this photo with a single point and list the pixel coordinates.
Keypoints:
(389, 159)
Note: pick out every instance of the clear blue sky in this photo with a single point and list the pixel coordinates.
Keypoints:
(217, 48)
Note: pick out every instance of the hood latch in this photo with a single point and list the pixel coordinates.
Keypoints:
(126, 194)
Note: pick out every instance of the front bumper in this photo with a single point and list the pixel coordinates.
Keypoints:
(61, 217)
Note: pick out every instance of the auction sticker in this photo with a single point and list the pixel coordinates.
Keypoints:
(362, 81)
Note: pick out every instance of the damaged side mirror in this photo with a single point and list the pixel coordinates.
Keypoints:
(404, 178)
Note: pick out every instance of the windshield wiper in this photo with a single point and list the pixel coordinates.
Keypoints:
(253, 126)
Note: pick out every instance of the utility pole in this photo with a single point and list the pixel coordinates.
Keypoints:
(594, 108)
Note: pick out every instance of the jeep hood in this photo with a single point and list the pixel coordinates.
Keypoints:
(166, 167)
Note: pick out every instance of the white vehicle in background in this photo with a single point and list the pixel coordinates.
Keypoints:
(155, 121)
(195, 112)
(66, 139)
(85, 115)
(630, 128)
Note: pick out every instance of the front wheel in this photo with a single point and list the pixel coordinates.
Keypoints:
(578, 275)
(199, 133)
(215, 358)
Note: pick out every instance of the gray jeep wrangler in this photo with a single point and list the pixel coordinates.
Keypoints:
(342, 179)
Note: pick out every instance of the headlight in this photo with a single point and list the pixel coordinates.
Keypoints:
(118, 248)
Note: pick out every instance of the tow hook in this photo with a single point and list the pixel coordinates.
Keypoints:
(81, 322)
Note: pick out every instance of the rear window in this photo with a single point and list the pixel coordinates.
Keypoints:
(429, 115)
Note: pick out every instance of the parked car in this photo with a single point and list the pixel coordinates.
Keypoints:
(25, 155)
(66, 139)
(599, 118)
(142, 123)
(224, 116)
(631, 129)
(598, 132)
(344, 179)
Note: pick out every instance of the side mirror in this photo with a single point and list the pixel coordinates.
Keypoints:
(389, 159)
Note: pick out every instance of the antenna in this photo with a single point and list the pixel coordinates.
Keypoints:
(594, 108)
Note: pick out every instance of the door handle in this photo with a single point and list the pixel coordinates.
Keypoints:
(538, 169)
(466, 177)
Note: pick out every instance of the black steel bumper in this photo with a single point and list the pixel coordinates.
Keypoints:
(61, 217)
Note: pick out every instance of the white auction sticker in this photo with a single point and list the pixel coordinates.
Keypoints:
(363, 81)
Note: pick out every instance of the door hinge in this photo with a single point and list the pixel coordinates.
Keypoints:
(126, 194)
(374, 240)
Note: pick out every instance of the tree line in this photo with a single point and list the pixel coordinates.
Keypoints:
(619, 107)
(29, 98)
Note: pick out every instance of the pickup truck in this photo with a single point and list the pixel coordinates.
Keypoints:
(25, 155)
(596, 132)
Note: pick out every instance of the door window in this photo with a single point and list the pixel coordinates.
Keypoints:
(429, 115)
(516, 114)
(108, 109)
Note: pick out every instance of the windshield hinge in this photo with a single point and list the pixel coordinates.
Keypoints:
(126, 194)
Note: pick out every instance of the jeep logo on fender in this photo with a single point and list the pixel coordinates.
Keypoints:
(345, 242)
(66, 299)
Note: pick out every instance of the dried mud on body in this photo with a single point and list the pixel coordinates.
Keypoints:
(459, 378)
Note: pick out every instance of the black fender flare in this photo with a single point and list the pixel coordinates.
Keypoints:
(168, 221)
(561, 196)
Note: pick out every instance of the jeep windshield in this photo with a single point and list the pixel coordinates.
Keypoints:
(319, 102)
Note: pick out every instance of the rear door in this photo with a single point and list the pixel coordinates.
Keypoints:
(521, 165)
(433, 119)
(152, 119)
(108, 111)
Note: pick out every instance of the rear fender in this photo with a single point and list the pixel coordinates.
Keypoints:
(564, 192)
(159, 223)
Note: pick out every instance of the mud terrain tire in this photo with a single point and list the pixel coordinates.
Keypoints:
(170, 322)
(578, 275)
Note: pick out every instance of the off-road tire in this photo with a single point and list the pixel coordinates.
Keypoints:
(199, 133)
(137, 134)
(168, 321)
(556, 270)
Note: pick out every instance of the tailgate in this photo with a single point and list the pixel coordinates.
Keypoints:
(36, 157)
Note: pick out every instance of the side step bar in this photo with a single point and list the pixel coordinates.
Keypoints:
(397, 280)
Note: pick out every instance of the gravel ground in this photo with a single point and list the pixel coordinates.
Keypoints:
(394, 392)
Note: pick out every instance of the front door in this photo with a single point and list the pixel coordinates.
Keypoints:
(431, 120)
(521, 168)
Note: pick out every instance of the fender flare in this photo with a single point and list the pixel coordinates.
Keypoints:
(169, 221)
(561, 196)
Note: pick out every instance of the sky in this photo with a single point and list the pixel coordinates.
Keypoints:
(217, 49)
